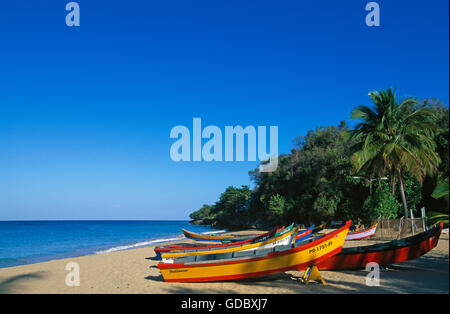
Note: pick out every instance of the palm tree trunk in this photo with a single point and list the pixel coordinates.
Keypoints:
(393, 182)
(402, 193)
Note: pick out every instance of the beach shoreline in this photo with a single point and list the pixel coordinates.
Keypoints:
(134, 271)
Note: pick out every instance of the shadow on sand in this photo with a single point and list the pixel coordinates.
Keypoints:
(13, 283)
(158, 278)
(424, 275)
(152, 258)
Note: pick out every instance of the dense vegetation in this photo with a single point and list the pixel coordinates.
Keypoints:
(391, 162)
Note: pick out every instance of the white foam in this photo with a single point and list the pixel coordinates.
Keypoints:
(147, 243)
(136, 245)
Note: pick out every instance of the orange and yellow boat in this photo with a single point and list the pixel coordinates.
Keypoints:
(258, 262)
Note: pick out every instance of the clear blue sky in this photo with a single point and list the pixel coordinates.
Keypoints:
(86, 112)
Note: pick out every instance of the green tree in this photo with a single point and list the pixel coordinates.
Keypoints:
(441, 191)
(312, 178)
(413, 192)
(278, 207)
(382, 204)
(316, 182)
(203, 215)
(441, 111)
(231, 211)
(394, 138)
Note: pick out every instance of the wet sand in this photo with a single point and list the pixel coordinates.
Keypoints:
(134, 271)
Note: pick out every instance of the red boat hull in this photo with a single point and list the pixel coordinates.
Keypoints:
(347, 259)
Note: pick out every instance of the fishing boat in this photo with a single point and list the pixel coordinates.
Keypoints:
(220, 238)
(304, 235)
(301, 236)
(319, 228)
(246, 264)
(393, 252)
(194, 246)
(362, 234)
(283, 237)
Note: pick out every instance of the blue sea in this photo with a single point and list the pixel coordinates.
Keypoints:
(27, 242)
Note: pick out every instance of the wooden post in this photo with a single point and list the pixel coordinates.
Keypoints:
(400, 227)
(423, 219)
(389, 228)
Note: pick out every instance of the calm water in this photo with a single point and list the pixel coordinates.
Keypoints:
(26, 242)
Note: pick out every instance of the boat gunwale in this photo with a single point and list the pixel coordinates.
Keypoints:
(364, 230)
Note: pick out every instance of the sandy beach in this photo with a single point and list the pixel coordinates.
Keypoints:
(134, 271)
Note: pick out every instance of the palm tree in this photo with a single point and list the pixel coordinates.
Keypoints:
(441, 190)
(394, 138)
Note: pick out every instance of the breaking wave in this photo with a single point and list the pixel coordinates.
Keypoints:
(136, 245)
(149, 243)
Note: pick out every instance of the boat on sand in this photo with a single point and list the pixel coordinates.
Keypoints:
(383, 254)
(216, 237)
(362, 234)
(301, 236)
(283, 237)
(245, 264)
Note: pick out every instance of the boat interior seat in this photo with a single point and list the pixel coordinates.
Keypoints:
(282, 248)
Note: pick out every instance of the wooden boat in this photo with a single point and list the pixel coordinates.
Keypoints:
(192, 246)
(237, 265)
(219, 238)
(393, 252)
(301, 236)
(304, 235)
(283, 237)
(362, 234)
(319, 228)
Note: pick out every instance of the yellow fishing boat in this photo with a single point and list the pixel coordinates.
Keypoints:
(259, 262)
(283, 237)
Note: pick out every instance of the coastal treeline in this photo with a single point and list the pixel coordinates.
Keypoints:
(396, 159)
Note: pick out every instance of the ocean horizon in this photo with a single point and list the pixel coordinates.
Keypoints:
(25, 242)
